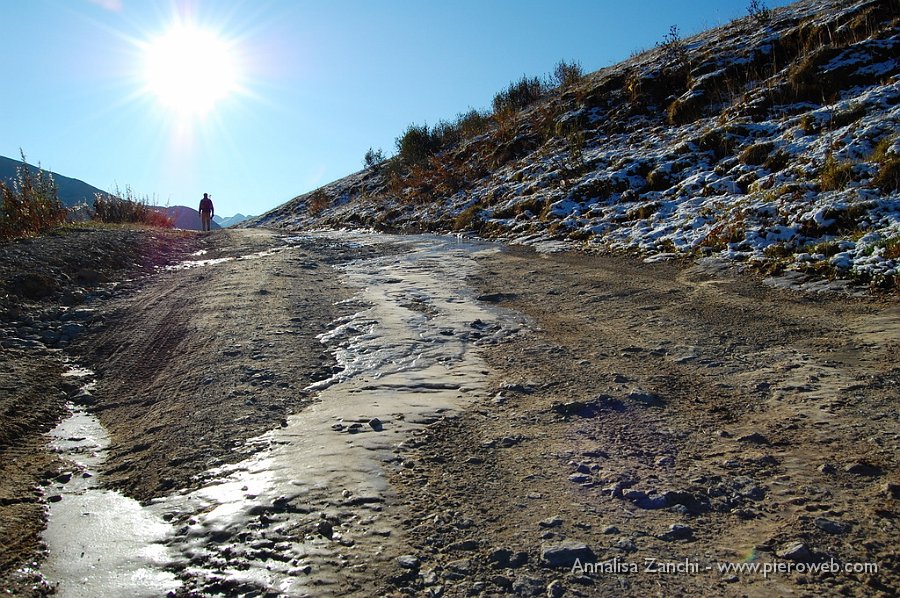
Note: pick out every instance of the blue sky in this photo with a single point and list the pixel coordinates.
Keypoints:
(313, 84)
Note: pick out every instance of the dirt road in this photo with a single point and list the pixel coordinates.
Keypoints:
(352, 414)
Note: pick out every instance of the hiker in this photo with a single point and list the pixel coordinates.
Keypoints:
(206, 212)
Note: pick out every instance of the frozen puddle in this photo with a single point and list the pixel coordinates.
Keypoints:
(312, 506)
(100, 542)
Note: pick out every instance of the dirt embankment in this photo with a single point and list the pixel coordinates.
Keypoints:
(667, 412)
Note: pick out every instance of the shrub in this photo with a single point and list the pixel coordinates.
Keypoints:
(318, 202)
(519, 95)
(835, 175)
(473, 123)
(373, 157)
(759, 12)
(675, 53)
(469, 219)
(417, 144)
(567, 74)
(756, 154)
(888, 176)
(126, 208)
(30, 205)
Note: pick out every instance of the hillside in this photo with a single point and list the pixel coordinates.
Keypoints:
(71, 191)
(770, 140)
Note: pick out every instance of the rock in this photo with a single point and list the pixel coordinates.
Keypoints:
(461, 566)
(408, 561)
(666, 461)
(827, 468)
(64, 477)
(795, 552)
(582, 468)
(551, 522)
(71, 329)
(862, 469)
(649, 501)
(376, 424)
(504, 558)
(625, 545)
(83, 397)
(464, 545)
(565, 554)
(323, 528)
(754, 438)
(647, 399)
(609, 530)
(832, 527)
(579, 478)
(54, 498)
(528, 586)
(678, 531)
(555, 589)
(502, 582)
(892, 490)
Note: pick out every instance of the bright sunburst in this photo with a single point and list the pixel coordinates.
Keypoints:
(190, 69)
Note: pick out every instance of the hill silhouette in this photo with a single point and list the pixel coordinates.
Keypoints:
(71, 191)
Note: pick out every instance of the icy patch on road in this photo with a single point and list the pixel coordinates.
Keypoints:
(314, 507)
(100, 542)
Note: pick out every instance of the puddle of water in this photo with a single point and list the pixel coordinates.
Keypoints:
(189, 264)
(100, 542)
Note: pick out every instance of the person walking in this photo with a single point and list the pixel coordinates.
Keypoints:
(206, 212)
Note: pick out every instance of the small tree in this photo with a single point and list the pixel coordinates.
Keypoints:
(373, 157)
(417, 144)
(759, 12)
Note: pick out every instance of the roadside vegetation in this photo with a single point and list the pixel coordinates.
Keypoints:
(30, 206)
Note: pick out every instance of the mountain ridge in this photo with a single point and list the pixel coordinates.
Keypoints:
(72, 191)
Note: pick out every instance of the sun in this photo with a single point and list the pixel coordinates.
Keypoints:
(190, 69)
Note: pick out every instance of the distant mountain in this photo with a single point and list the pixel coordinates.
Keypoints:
(185, 217)
(71, 191)
(225, 221)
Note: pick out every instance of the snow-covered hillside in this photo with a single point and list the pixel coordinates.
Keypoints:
(771, 140)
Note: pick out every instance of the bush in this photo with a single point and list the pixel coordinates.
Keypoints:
(373, 157)
(417, 144)
(473, 123)
(318, 202)
(567, 74)
(519, 95)
(759, 12)
(675, 53)
(835, 175)
(30, 205)
(757, 154)
(126, 208)
(888, 176)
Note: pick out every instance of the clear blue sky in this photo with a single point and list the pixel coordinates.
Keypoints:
(313, 84)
